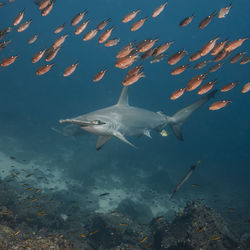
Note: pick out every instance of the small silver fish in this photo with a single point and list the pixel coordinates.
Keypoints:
(224, 11)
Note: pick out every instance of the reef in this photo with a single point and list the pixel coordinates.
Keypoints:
(196, 227)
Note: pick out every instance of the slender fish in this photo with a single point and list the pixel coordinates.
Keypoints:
(184, 179)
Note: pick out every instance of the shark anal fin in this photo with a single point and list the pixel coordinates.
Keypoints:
(102, 139)
(121, 137)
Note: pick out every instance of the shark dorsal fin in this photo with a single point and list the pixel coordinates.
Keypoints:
(123, 100)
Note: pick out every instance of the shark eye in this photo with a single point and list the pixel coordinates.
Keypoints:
(97, 122)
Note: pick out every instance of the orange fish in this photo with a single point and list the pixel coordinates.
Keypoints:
(245, 60)
(102, 25)
(81, 27)
(195, 82)
(90, 35)
(235, 44)
(59, 41)
(175, 58)
(126, 50)
(137, 25)
(208, 46)
(158, 58)
(4, 44)
(206, 87)
(33, 39)
(105, 35)
(162, 48)
(18, 18)
(195, 56)
(215, 67)
(134, 70)
(126, 61)
(38, 56)
(158, 10)
(229, 86)
(246, 88)
(5, 31)
(44, 69)
(204, 23)
(59, 28)
(130, 16)
(132, 79)
(112, 42)
(78, 18)
(99, 75)
(142, 43)
(8, 61)
(179, 70)
(219, 104)
(24, 26)
(43, 4)
(146, 45)
(51, 54)
(237, 57)
(147, 54)
(48, 9)
(221, 56)
(218, 47)
(69, 70)
(186, 21)
(201, 65)
(177, 93)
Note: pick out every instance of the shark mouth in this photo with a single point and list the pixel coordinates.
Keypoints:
(82, 123)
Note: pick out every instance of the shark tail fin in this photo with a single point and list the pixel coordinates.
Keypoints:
(182, 115)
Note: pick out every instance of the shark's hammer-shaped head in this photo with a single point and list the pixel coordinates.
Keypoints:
(94, 123)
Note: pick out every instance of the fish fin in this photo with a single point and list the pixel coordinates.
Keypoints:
(147, 133)
(102, 139)
(181, 116)
(56, 130)
(121, 137)
(123, 100)
(177, 131)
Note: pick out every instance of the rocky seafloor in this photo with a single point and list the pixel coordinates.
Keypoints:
(196, 227)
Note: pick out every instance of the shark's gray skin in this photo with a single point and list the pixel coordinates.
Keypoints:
(122, 120)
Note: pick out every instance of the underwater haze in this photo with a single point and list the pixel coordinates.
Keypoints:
(135, 181)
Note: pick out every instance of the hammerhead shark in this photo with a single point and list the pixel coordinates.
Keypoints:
(122, 120)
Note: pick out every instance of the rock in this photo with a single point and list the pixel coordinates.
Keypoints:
(198, 228)
(135, 210)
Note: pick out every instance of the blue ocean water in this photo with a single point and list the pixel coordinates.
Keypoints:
(30, 105)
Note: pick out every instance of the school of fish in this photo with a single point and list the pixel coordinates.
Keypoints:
(134, 51)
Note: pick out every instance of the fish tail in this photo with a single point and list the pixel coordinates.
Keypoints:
(182, 115)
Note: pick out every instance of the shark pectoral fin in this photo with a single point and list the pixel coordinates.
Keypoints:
(121, 137)
(147, 133)
(57, 130)
(177, 131)
(102, 139)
